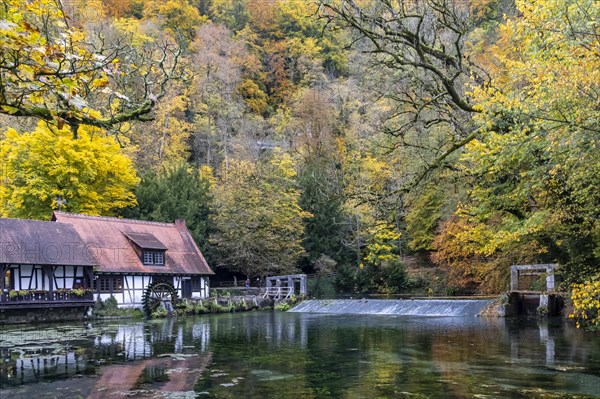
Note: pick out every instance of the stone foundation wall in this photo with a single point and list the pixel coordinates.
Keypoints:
(43, 315)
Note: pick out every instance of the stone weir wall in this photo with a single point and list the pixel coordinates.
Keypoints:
(403, 307)
(43, 315)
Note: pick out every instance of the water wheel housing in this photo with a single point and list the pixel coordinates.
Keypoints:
(159, 293)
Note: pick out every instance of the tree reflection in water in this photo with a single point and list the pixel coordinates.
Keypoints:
(275, 354)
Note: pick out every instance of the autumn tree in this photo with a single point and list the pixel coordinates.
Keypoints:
(381, 269)
(258, 225)
(232, 13)
(50, 70)
(310, 127)
(535, 169)
(424, 46)
(216, 107)
(92, 174)
(178, 17)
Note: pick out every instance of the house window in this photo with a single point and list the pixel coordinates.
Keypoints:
(104, 283)
(148, 258)
(108, 284)
(196, 283)
(154, 257)
(117, 284)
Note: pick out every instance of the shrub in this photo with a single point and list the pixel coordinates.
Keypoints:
(345, 281)
(159, 312)
(282, 306)
(111, 303)
(199, 308)
(393, 278)
(321, 287)
(586, 304)
(110, 308)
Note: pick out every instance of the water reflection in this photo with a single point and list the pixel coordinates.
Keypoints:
(274, 354)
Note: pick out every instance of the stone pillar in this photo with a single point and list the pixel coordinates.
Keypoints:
(303, 285)
(550, 279)
(514, 279)
(544, 300)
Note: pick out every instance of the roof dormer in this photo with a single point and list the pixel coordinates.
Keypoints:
(149, 249)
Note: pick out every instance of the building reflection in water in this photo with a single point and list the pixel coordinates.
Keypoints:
(26, 366)
(127, 355)
(30, 356)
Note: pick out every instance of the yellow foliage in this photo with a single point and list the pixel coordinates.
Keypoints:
(91, 173)
(132, 27)
(586, 304)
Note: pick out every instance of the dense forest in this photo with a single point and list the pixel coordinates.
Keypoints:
(355, 137)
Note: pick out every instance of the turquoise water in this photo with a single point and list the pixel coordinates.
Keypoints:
(301, 355)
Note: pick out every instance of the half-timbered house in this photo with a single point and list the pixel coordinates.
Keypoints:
(43, 265)
(139, 261)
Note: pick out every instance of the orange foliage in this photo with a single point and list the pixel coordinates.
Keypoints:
(458, 248)
(117, 8)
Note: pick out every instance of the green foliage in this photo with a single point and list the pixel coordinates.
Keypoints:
(283, 306)
(345, 280)
(321, 189)
(17, 293)
(160, 312)
(178, 192)
(393, 279)
(92, 173)
(79, 291)
(423, 217)
(390, 279)
(215, 307)
(111, 303)
(110, 308)
(321, 287)
(232, 13)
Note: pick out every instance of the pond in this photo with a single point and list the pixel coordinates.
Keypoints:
(301, 355)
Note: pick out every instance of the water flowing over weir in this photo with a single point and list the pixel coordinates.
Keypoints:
(402, 307)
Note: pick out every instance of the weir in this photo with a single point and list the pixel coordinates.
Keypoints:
(403, 307)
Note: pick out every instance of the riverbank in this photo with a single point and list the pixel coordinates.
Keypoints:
(226, 302)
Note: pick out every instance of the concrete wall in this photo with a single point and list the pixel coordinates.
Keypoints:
(520, 304)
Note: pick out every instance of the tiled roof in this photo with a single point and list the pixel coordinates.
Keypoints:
(42, 243)
(145, 240)
(110, 242)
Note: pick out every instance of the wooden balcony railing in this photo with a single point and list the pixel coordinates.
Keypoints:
(45, 297)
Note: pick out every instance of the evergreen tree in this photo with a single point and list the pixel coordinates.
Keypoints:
(179, 192)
